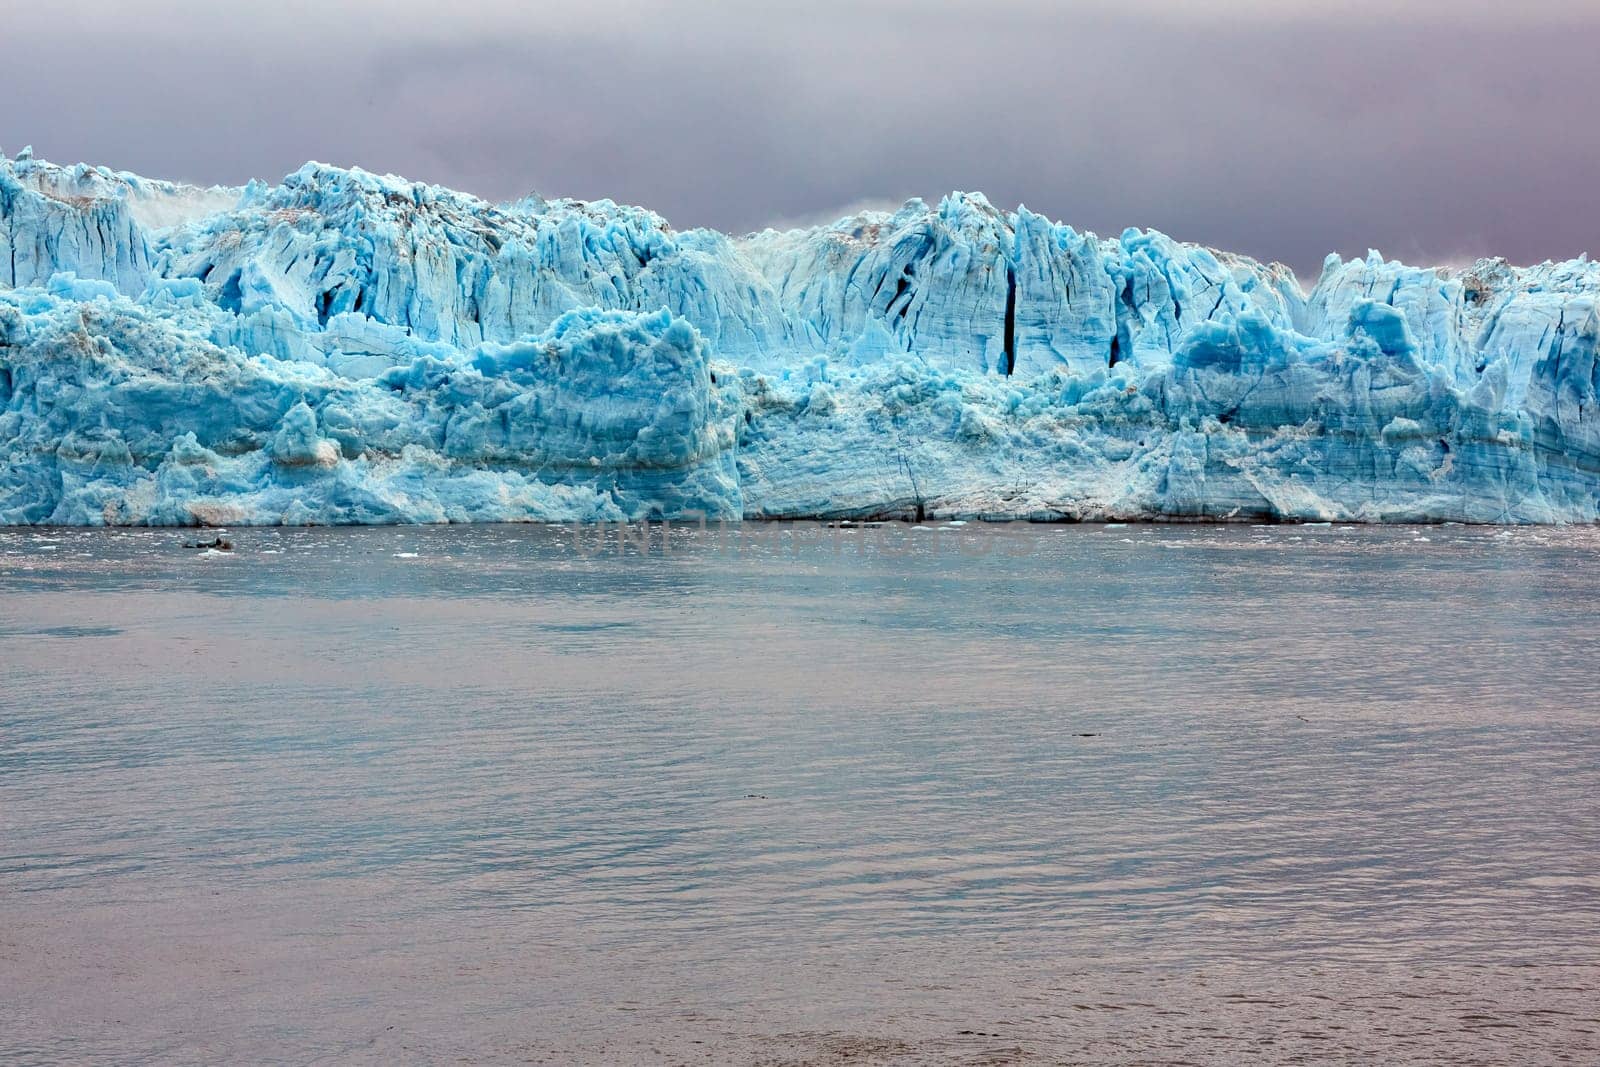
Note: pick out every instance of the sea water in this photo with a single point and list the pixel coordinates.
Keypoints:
(798, 793)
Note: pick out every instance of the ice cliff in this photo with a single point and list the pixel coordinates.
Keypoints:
(349, 348)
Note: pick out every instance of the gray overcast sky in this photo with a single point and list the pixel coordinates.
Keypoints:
(1434, 130)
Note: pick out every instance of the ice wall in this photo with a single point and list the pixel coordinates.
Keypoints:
(345, 347)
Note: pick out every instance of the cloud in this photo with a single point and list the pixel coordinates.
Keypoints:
(1433, 132)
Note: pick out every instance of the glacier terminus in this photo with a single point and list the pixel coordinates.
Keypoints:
(345, 347)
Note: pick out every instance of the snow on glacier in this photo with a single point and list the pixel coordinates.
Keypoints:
(349, 348)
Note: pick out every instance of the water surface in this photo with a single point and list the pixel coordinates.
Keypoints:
(1019, 794)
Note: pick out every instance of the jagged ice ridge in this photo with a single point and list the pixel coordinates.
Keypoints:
(349, 348)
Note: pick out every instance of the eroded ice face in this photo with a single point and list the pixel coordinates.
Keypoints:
(351, 348)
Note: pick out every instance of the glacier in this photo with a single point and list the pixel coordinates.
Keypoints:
(345, 347)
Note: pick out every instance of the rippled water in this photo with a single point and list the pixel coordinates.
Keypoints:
(1021, 794)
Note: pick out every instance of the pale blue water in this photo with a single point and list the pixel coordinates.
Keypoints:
(1134, 794)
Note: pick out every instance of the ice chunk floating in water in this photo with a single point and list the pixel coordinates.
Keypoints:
(349, 348)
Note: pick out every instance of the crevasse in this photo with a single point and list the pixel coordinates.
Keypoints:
(349, 348)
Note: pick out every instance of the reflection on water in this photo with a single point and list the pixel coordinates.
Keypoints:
(1031, 794)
